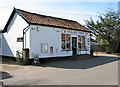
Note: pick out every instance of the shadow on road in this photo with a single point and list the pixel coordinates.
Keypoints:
(5, 75)
(8, 60)
(81, 64)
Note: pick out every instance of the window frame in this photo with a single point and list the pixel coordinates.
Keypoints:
(83, 47)
(62, 41)
(83, 43)
(68, 42)
(79, 48)
(66, 49)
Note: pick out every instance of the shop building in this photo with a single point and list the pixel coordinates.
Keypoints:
(44, 36)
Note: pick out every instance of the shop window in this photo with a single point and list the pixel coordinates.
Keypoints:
(63, 41)
(83, 42)
(79, 42)
(68, 41)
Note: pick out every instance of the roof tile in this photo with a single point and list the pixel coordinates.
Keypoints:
(53, 21)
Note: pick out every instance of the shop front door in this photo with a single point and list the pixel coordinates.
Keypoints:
(74, 45)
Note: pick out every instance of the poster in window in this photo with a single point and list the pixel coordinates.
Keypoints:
(51, 50)
(44, 47)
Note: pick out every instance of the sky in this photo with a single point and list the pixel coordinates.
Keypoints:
(77, 10)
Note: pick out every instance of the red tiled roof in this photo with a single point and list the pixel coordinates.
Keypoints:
(51, 21)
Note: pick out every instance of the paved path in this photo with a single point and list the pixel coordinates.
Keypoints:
(101, 70)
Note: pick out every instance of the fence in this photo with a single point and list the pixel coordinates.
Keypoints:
(84, 48)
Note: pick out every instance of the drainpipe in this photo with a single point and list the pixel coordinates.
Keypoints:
(24, 33)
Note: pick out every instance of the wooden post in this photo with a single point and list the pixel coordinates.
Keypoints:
(25, 56)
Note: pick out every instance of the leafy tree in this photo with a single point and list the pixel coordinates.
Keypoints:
(106, 29)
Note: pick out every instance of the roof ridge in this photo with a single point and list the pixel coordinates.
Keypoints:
(46, 15)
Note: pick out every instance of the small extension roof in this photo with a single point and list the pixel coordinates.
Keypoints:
(38, 19)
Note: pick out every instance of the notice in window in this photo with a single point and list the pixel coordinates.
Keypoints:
(44, 47)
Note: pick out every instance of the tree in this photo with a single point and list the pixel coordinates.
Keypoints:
(106, 29)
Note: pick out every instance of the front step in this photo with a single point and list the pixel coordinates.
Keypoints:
(81, 57)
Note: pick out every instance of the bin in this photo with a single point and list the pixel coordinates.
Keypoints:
(25, 56)
(91, 52)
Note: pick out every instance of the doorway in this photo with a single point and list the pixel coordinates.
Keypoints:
(74, 45)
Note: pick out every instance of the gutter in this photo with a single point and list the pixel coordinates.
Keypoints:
(24, 33)
(61, 27)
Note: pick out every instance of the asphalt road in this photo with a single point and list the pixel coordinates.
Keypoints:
(102, 70)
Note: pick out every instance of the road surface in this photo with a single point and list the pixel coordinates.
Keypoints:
(102, 70)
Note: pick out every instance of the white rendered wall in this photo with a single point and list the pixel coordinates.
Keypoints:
(14, 31)
(46, 35)
(52, 37)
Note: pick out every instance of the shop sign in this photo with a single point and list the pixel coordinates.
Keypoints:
(81, 33)
(72, 32)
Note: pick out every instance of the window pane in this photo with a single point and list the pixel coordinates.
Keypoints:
(83, 42)
(68, 41)
(79, 42)
(63, 41)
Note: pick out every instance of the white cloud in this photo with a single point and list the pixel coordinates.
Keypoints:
(38, 6)
(5, 13)
(69, 0)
